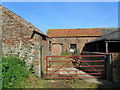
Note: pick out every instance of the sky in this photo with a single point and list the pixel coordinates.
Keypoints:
(66, 15)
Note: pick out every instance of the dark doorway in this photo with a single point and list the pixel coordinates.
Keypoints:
(113, 46)
(72, 46)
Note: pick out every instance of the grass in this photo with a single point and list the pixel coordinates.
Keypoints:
(65, 53)
(33, 81)
(36, 82)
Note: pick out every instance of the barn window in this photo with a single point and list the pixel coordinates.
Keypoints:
(72, 46)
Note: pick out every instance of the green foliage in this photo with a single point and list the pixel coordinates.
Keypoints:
(14, 71)
(76, 53)
(65, 53)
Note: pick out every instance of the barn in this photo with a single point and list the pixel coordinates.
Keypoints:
(21, 38)
(65, 39)
(109, 44)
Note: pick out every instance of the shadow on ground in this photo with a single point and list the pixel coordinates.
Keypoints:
(104, 83)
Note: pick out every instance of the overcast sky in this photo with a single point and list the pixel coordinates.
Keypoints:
(66, 15)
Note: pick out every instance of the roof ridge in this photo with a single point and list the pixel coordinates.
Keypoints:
(22, 20)
(73, 32)
(75, 29)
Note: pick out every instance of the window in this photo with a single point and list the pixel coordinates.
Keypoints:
(72, 46)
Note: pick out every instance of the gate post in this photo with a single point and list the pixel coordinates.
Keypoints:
(109, 68)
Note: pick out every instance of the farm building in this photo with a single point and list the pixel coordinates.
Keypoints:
(107, 43)
(23, 39)
(110, 44)
(65, 39)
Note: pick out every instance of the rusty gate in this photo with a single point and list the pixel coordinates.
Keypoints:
(82, 66)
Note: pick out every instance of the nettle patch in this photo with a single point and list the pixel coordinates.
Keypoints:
(14, 71)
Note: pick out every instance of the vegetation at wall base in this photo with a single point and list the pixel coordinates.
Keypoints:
(14, 71)
(65, 53)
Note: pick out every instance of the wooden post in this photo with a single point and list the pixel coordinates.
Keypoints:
(109, 68)
(106, 44)
(97, 47)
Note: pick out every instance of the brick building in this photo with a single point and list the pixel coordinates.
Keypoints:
(23, 39)
(110, 44)
(65, 39)
(107, 43)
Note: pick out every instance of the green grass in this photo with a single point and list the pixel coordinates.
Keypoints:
(65, 53)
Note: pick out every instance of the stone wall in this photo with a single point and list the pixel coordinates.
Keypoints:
(23, 39)
(79, 41)
(116, 66)
(0, 47)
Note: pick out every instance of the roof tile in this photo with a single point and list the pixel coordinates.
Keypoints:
(73, 32)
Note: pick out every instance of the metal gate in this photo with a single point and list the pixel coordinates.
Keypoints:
(68, 67)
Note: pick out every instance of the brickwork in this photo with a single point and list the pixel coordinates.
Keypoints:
(116, 66)
(79, 41)
(57, 49)
(19, 37)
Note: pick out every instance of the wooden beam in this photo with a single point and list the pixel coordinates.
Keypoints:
(106, 44)
(112, 41)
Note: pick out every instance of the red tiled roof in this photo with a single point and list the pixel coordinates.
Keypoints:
(73, 32)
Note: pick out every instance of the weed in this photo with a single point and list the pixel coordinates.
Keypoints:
(65, 53)
(14, 71)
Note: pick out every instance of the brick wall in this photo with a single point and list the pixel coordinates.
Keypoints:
(56, 49)
(116, 66)
(19, 37)
(79, 41)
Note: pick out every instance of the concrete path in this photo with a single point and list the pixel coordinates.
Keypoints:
(70, 72)
(90, 80)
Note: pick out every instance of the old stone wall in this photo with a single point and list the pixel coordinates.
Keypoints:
(45, 52)
(19, 37)
(116, 67)
(79, 41)
(0, 31)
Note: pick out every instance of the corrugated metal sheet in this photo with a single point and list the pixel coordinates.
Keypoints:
(73, 32)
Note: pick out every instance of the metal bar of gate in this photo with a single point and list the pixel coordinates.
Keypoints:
(80, 66)
(81, 61)
(61, 67)
(74, 70)
(92, 66)
(71, 77)
(80, 56)
(46, 66)
(85, 61)
(78, 74)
